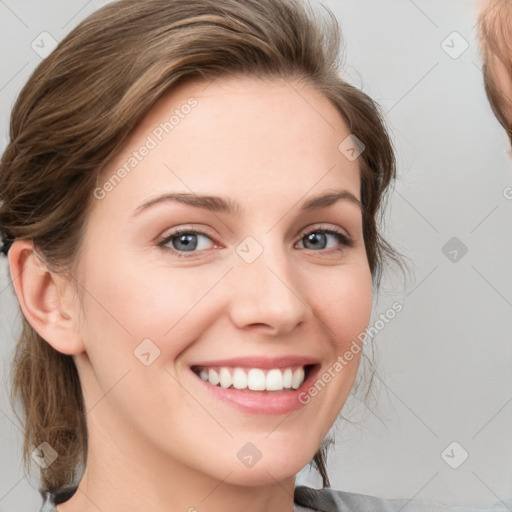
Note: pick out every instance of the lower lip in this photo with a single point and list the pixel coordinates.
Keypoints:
(262, 402)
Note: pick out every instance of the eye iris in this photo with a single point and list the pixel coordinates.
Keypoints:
(318, 240)
(185, 242)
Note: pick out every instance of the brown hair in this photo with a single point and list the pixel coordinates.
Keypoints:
(76, 112)
(495, 34)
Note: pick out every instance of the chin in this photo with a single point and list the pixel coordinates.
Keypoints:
(262, 475)
(271, 463)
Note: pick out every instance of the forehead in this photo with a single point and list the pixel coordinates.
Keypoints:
(235, 136)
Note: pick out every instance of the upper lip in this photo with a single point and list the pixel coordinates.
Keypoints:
(260, 362)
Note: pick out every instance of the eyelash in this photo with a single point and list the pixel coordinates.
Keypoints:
(344, 240)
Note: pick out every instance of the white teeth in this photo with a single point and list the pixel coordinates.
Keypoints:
(225, 378)
(213, 377)
(287, 378)
(274, 380)
(254, 379)
(239, 379)
(298, 377)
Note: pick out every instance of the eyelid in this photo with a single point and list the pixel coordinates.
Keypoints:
(187, 230)
(335, 230)
(322, 226)
(346, 239)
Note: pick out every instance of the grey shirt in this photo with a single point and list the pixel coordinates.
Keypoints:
(328, 500)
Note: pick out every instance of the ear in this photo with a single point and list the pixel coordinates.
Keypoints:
(45, 299)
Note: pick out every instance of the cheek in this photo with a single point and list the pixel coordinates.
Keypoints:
(343, 303)
(344, 309)
(124, 306)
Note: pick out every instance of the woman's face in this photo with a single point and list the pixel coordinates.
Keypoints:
(253, 273)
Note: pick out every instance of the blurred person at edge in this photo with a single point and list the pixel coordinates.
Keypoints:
(495, 37)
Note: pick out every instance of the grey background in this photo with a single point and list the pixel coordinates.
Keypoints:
(445, 361)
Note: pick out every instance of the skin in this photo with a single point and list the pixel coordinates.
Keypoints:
(157, 440)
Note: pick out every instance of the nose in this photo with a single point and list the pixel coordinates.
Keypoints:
(266, 295)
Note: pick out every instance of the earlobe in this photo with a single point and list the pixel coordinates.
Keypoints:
(43, 298)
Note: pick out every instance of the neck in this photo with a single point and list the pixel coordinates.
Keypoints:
(123, 474)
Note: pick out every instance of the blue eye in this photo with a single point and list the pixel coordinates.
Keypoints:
(319, 239)
(183, 241)
(187, 241)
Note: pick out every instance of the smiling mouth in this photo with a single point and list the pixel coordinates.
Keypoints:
(254, 379)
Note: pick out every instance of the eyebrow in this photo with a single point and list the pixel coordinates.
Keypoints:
(226, 205)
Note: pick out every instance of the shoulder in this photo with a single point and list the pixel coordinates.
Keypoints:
(328, 500)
